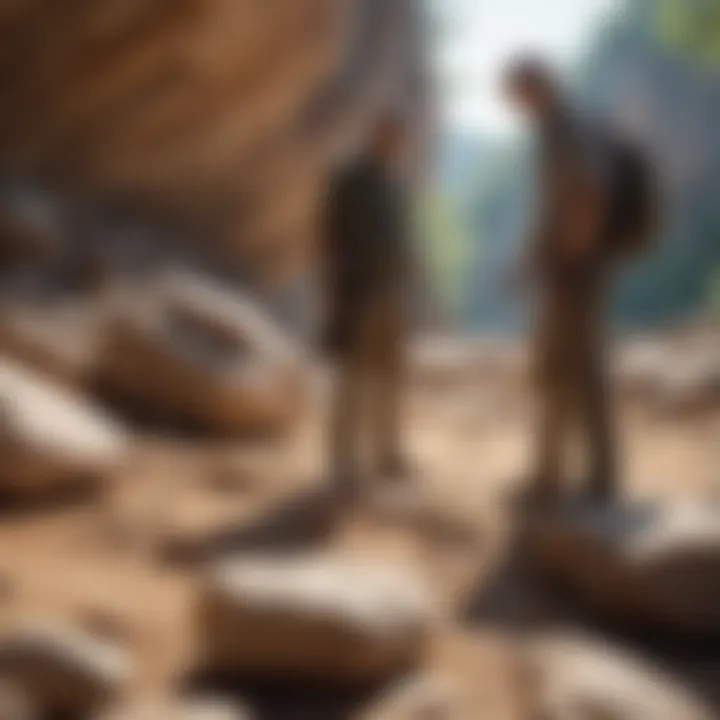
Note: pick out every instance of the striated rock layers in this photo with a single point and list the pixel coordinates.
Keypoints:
(215, 120)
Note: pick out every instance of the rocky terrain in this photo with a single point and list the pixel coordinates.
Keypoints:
(169, 545)
(204, 576)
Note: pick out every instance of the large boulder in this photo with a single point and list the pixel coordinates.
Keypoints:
(223, 118)
(314, 618)
(191, 353)
(573, 678)
(649, 567)
(50, 437)
(63, 671)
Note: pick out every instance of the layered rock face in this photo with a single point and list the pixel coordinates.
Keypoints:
(215, 120)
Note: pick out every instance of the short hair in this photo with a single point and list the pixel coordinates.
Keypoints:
(530, 73)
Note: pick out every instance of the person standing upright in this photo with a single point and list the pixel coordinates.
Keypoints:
(595, 206)
(368, 265)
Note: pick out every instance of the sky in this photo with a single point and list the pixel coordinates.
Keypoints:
(483, 34)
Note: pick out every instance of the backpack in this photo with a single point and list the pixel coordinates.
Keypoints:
(633, 202)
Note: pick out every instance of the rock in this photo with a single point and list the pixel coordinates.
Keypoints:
(670, 379)
(689, 386)
(50, 437)
(180, 709)
(15, 704)
(415, 698)
(316, 617)
(59, 342)
(191, 353)
(224, 117)
(63, 671)
(578, 679)
(651, 567)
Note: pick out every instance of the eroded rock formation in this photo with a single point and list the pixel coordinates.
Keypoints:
(216, 120)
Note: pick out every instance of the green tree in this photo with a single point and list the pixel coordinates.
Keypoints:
(447, 247)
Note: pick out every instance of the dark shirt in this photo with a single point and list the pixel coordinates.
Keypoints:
(570, 154)
(367, 235)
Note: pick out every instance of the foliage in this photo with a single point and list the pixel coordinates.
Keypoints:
(691, 27)
(655, 62)
(446, 245)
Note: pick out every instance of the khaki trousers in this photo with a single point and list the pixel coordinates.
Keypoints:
(367, 402)
(573, 392)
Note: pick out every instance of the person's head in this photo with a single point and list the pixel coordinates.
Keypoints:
(386, 141)
(532, 87)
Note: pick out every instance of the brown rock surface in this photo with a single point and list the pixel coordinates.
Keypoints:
(64, 564)
(221, 117)
(188, 351)
(63, 671)
(331, 619)
(651, 567)
(15, 704)
(51, 437)
(581, 679)
(59, 341)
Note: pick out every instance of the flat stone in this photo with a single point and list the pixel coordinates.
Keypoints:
(574, 678)
(50, 436)
(62, 670)
(315, 617)
(191, 353)
(650, 567)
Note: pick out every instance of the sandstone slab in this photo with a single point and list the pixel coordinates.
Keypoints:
(190, 353)
(654, 567)
(50, 436)
(574, 678)
(63, 671)
(319, 618)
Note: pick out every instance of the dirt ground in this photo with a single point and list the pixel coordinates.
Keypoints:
(126, 564)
